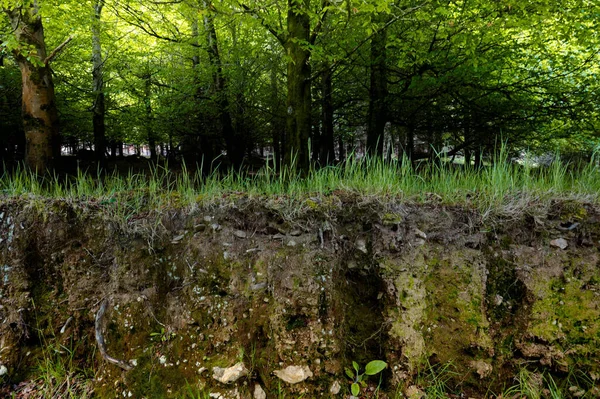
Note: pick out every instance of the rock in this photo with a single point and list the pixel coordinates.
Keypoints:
(335, 388)
(258, 286)
(413, 392)
(294, 374)
(178, 238)
(215, 226)
(296, 233)
(361, 245)
(240, 234)
(576, 391)
(420, 234)
(231, 374)
(291, 243)
(559, 243)
(498, 299)
(199, 227)
(482, 368)
(3, 370)
(259, 393)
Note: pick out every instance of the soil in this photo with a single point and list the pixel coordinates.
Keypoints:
(320, 284)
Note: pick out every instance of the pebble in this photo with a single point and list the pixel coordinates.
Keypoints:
(259, 393)
(230, 374)
(559, 243)
(335, 388)
(294, 374)
(240, 234)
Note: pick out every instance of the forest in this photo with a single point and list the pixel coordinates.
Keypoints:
(295, 82)
(363, 199)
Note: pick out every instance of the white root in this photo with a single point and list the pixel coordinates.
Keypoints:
(100, 339)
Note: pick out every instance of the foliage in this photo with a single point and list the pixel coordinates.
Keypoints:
(374, 367)
(459, 74)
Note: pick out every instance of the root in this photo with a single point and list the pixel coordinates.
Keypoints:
(100, 339)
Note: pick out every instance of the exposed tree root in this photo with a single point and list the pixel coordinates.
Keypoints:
(100, 338)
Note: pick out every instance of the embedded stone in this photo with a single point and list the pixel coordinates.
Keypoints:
(231, 374)
(294, 374)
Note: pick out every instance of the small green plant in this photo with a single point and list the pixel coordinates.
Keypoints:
(358, 379)
(163, 335)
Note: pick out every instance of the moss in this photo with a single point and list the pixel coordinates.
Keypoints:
(456, 317)
(391, 219)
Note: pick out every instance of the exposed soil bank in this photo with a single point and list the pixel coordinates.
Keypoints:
(342, 280)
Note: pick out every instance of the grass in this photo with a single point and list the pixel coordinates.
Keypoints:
(57, 374)
(501, 188)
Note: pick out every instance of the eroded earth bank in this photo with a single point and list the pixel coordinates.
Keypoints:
(316, 285)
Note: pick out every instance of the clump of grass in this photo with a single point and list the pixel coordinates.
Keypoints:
(436, 380)
(59, 378)
(533, 385)
(500, 188)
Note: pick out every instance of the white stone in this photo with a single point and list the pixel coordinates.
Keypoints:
(230, 374)
(240, 234)
(361, 245)
(294, 374)
(335, 388)
(559, 243)
(420, 234)
(259, 393)
(3, 370)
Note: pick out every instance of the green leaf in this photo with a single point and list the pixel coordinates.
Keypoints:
(374, 367)
(355, 389)
(349, 372)
(355, 365)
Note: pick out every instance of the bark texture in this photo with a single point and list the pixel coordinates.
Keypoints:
(40, 116)
(298, 85)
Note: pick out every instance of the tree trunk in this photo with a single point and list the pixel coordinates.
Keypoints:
(99, 107)
(410, 143)
(298, 86)
(467, 138)
(148, 103)
(276, 125)
(341, 149)
(40, 116)
(327, 144)
(377, 116)
(235, 146)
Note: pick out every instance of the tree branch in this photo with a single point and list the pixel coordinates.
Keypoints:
(281, 38)
(57, 50)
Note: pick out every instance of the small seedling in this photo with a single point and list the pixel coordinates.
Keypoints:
(163, 335)
(358, 379)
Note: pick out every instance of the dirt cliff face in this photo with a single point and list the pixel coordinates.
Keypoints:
(334, 281)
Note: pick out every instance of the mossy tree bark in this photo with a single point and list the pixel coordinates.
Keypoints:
(296, 152)
(40, 116)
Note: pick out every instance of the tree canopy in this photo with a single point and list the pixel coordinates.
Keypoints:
(299, 81)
